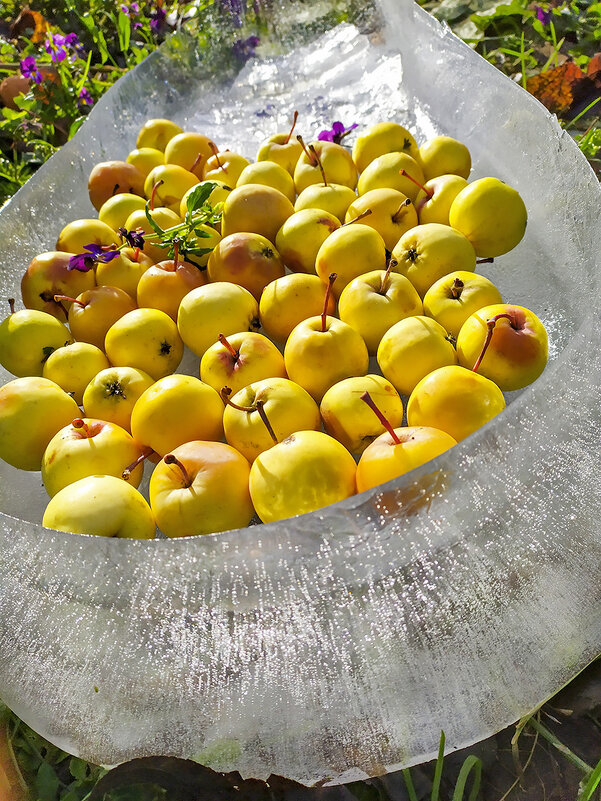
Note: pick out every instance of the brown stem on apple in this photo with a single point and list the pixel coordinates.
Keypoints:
(457, 288)
(331, 278)
(428, 192)
(293, 127)
(126, 474)
(175, 253)
(153, 193)
(490, 325)
(171, 459)
(361, 216)
(81, 425)
(11, 303)
(228, 346)
(265, 419)
(198, 158)
(213, 147)
(319, 164)
(225, 393)
(309, 155)
(386, 278)
(401, 211)
(58, 298)
(136, 255)
(484, 261)
(367, 398)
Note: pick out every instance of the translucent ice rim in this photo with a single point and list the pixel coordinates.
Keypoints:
(337, 644)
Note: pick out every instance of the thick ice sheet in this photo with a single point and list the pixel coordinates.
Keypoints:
(340, 643)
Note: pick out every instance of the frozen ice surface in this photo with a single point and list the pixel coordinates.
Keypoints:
(340, 643)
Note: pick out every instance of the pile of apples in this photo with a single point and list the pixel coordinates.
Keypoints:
(335, 256)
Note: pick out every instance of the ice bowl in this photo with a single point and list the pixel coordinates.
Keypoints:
(338, 644)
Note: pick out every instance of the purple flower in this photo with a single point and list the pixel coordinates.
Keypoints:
(84, 262)
(337, 133)
(234, 8)
(85, 97)
(131, 10)
(542, 15)
(157, 19)
(134, 239)
(29, 70)
(244, 49)
(54, 46)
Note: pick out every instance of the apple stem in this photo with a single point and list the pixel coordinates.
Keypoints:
(457, 288)
(175, 253)
(401, 210)
(361, 216)
(169, 458)
(319, 164)
(81, 424)
(225, 393)
(384, 285)
(153, 193)
(265, 419)
(331, 278)
(126, 474)
(196, 161)
(58, 298)
(428, 192)
(367, 398)
(11, 303)
(213, 147)
(490, 325)
(484, 261)
(136, 255)
(229, 347)
(293, 127)
(309, 155)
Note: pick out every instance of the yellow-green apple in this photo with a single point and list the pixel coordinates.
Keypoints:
(372, 303)
(506, 343)
(112, 177)
(456, 296)
(157, 133)
(491, 214)
(398, 450)
(268, 173)
(164, 285)
(147, 339)
(427, 252)
(444, 155)
(79, 233)
(102, 505)
(27, 338)
(247, 259)
(384, 137)
(94, 311)
(145, 159)
(433, 202)
(384, 173)
(241, 359)
(266, 412)
(125, 271)
(219, 308)
(74, 366)
(88, 447)
(224, 166)
(349, 420)
(350, 251)
(190, 151)
(115, 211)
(201, 488)
(49, 275)
(112, 394)
(32, 410)
(327, 162)
(456, 400)
(333, 198)
(282, 148)
(304, 472)
(392, 213)
(174, 410)
(411, 349)
(167, 184)
(287, 301)
(255, 209)
(301, 236)
(323, 350)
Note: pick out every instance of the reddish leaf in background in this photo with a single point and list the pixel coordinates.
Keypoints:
(555, 88)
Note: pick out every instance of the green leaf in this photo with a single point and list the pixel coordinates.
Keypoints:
(78, 768)
(46, 783)
(438, 769)
(124, 31)
(474, 764)
(199, 195)
(155, 226)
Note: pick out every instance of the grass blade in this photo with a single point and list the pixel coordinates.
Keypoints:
(474, 764)
(438, 769)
